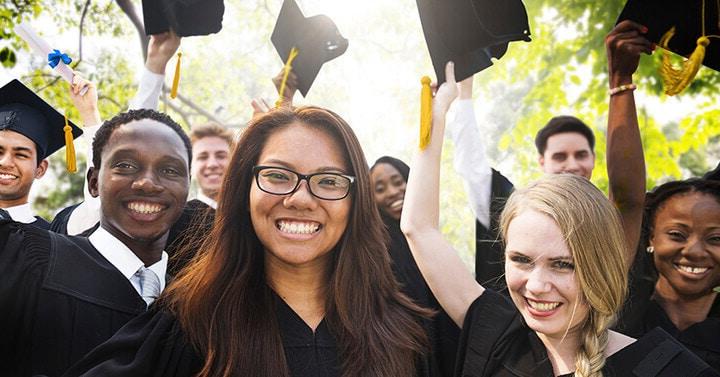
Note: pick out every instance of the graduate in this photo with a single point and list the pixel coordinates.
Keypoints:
(30, 131)
(566, 273)
(63, 295)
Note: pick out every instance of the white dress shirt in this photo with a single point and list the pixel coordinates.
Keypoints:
(206, 199)
(125, 260)
(22, 213)
(469, 160)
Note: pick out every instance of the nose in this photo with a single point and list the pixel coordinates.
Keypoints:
(572, 165)
(212, 162)
(538, 281)
(301, 198)
(5, 159)
(695, 249)
(147, 183)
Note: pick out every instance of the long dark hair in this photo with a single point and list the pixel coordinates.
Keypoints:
(404, 171)
(226, 308)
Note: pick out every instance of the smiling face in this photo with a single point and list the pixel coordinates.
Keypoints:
(142, 182)
(299, 229)
(18, 168)
(686, 239)
(389, 188)
(540, 275)
(210, 158)
(568, 152)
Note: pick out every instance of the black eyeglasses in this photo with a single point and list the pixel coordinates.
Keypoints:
(281, 181)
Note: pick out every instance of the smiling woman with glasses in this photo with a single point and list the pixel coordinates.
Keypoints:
(295, 278)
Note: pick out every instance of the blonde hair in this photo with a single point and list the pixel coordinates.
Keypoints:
(212, 129)
(592, 229)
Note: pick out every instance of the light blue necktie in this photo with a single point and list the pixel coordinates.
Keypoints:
(149, 285)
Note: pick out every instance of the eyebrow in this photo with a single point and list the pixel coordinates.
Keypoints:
(558, 258)
(22, 149)
(291, 166)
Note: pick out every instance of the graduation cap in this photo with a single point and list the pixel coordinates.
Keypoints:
(22, 111)
(689, 20)
(471, 32)
(186, 17)
(315, 40)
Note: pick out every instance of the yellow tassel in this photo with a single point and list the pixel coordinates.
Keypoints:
(425, 112)
(676, 80)
(69, 148)
(288, 67)
(176, 78)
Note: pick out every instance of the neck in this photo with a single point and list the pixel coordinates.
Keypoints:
(683, 311)
(7, 203)
(212, 195)
(562, 351)
(148, 251)
(302, 288)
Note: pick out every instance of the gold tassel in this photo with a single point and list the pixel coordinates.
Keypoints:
(676, 80)
(176, 78)
(69, 148)
(425, 112)
(288, 67)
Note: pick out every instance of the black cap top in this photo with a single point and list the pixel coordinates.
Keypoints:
(185, 17)
(316, 38)
(22, 111)
(686, 16)
(470, 32)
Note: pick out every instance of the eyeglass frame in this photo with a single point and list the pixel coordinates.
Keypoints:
(301, 177)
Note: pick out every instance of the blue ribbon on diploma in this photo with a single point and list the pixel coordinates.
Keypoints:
(55, 57)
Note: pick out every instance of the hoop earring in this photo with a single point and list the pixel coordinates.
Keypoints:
(650, 249)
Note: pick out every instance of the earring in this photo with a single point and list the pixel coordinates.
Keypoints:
(650, 249)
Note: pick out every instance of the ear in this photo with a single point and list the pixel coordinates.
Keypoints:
(41, 169)
(92, 182)
(541, 160)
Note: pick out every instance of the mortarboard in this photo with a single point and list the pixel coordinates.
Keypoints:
(186, 17)
(22, 111)
(470, 32)
(682, 27)
(316, 40)
(686, 16)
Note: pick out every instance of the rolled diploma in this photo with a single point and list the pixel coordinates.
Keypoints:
(37, 44)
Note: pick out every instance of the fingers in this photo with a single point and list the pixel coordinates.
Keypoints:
(628, 25)
(80, 85)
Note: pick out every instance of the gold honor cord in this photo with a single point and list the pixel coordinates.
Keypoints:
(425, 112)
(288, 67)
(676, 80)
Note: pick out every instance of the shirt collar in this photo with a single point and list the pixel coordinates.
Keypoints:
(22, 213)
(123, 258)
(207, 200)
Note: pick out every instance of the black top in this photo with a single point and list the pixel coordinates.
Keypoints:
(442, 331)
(40, 223)
(154, 345)
(59, 298)
(489, 253)
(642, 314)
(496, 342)
(60, 222)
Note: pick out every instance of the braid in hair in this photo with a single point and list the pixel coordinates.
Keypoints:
(590, 358)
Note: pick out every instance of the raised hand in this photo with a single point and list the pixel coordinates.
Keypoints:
(624, 45)
(161, 49)
(86, 103)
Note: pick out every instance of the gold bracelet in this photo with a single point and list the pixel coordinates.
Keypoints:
(621, 89)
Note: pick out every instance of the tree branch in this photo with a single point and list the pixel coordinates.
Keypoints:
(80, 32)
(129, 9)
(189, 103)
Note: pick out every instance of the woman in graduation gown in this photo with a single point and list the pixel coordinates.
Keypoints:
(677, 268)
(389, 178)
(565, 271)
(294, 279)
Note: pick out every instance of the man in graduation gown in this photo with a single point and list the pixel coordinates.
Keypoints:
(30, 131)
(63, 295)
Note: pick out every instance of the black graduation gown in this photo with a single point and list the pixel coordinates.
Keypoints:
(496, 342)
(641, 313)
(60, 222)
(155, 345)
(59, 298)
(489, 254)
(442, 331)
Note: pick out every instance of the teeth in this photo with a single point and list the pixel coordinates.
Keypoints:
(7, 176)
(145, 208)
(396, 204)
(543, 306)
(298, 227)
(692, 270)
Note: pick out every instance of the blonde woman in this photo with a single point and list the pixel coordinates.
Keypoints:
(565, 269)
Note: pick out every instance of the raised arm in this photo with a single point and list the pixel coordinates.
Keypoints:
(161, 49)
(446, 275)
(469, 154)
(625, 160)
